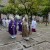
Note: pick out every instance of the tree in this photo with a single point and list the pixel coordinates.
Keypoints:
(29, 7)
(0, 14)
(44, 8)
(45, 13)
(0, 1)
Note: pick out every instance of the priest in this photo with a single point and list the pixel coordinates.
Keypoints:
(12, 28)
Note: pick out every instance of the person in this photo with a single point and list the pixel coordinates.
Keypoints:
(20, 25)
(12, 28)
(4, 22)
(33, 25)
(15, 19)
(0, 21)
(23, 18)
(25, 31)
(7, 22)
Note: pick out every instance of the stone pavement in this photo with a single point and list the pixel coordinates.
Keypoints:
(38, 41)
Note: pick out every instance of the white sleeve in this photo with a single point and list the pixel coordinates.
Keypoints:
(21, 23)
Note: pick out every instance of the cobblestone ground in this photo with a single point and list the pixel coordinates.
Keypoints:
(38, 41)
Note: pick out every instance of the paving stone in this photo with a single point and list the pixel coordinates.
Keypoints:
(1, 48)
(42, 46)
(33, 35)
(14, 46)
(25, 44)
(30, 48)
(39, 40)
(17, 46)
(6, 39)
(47, 49)
(29, 43)
(36, 47)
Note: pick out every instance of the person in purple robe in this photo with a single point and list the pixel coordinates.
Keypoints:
(12, 28)
(15, 19)
(20, 26)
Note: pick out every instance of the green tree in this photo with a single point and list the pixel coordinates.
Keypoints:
(45, 13)
(29, 7)
(0, 14)
(44, 8)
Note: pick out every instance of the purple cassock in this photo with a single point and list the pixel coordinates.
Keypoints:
(20, 26)
(12, 28)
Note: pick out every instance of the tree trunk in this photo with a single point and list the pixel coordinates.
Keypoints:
(43, 19)
(46, 20)
(0, 19)
(28, 23)
(14, 15)
(0, 15)
(30, 20)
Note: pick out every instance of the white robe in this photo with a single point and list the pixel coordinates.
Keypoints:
(23, 19)
(4, 22)
(34, 24)
(7, 23)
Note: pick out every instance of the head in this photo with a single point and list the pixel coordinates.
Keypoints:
(12, 18)
(25, 19)
(34, 19)
(3, 18)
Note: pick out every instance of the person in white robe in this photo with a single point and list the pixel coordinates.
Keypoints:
(7, 22)
(4, 22)
(33, 25)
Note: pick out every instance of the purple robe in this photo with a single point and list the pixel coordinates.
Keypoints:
(20, 26)
(12, 28)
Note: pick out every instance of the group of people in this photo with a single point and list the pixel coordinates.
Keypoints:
(23, 27)
(5, 22)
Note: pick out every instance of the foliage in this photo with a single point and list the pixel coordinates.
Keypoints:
(36, 7)
(0, 1)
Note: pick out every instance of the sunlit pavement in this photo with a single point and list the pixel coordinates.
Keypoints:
(38, 41)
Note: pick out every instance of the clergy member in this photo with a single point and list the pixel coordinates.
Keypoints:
(12, 28)
(33, 25)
